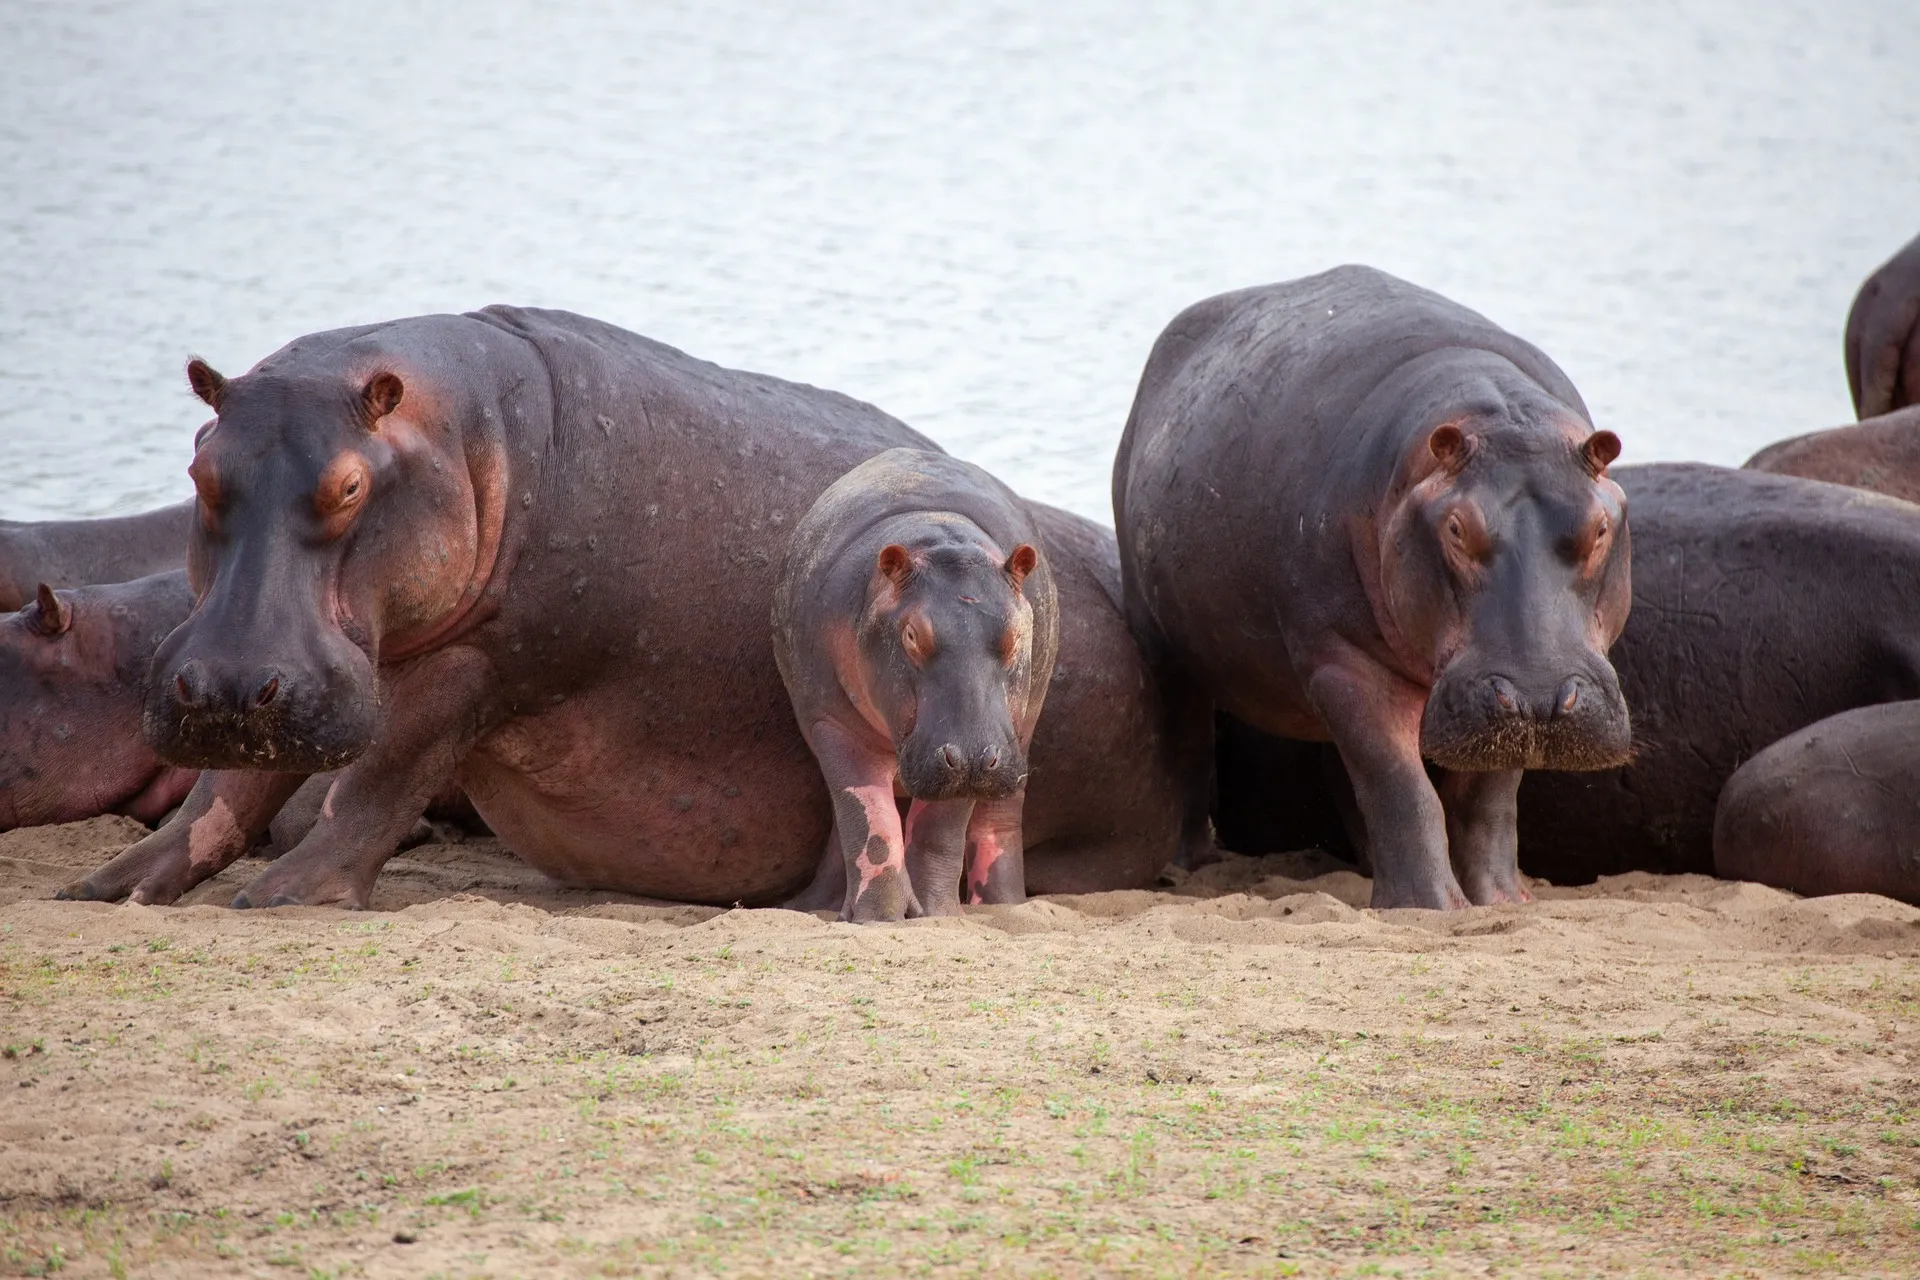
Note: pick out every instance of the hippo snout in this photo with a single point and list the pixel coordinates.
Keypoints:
(1481, 721)
(953, 771)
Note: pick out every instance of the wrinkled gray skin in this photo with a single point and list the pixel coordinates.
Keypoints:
(78, 553)
(563, 544)
(72, 665)
(1883, 336)
(1882, 454)
(1761, 604)
(1352, 510)
(915, 623)
(1834, 808)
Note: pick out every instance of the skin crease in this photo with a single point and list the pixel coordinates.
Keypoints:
(916, 629)
(562, 581)
(70, 694)
(1883, 336)
(1834, 808)
(1351, 510)
(75, 553)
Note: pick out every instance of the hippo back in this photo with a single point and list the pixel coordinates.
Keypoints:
(1761, 604)
(1882, 454)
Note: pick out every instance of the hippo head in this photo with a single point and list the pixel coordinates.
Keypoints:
(947, 641)
(1507, 567)
(330, 530)
(72, 665)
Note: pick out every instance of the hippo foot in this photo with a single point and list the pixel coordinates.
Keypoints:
(138, 875)
(1439, 895)
(1491, 890)
(282, 886)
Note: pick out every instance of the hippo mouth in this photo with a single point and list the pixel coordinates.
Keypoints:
(1529, 744)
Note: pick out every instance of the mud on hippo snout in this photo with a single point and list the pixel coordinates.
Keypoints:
(1482, 722)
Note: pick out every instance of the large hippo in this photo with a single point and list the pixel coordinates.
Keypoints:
(78, 553)
(1761, 604)
(1350, 509)
(1882, 454)
(1883, 336)
(915, 624)
(522, 550)
(1834, 808)
(73, 666)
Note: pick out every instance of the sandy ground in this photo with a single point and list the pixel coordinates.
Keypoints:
(1239, 1074)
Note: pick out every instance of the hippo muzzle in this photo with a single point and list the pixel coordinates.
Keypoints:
(300, 704)
(1482, 719)
(937, 765)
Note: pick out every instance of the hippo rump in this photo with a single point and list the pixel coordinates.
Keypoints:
(79, 553)
(1352, 510)
(73, 667)
(1761, 604)
(1834, 808)
(1882, 454)
(915, 624)
(1883, 336)
(520, 550)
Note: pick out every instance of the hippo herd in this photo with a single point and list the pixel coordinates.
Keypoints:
(702, 635)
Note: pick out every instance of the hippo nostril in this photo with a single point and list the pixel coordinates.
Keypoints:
(990, 758)
(267, 692)
(187, 685)
(1505, 694)
(1569, 697)
(951, 757)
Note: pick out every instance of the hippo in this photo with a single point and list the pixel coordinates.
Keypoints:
(72, 667)
(1834, 808)
(915, 624)
(79, 553)
(1761, 604)
(1882, 454)
(1351, 510)
(1883, 336)
(523, 551)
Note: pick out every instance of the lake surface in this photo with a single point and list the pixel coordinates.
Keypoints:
(977, 216)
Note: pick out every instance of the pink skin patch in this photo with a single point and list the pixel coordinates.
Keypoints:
(210, 834)
(883, 820)
(987, 851)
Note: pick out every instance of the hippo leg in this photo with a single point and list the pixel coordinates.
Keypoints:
(1186, 722)
(872, 846)
(936, 837)
(1374, 718)
(1482, 833)
(996, 852)
(828, 889)
(376, 801)
(222, 816)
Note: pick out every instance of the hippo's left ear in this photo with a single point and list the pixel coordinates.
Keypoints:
(381, 396)
(1021, 563)
(55, 615)
(1600, 449)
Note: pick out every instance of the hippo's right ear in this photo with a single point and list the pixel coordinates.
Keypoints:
(207, 383)
(1451, 446)
(1600, 449)
(381, 396)
(1022, 562)
(895, 564)
(55, 615)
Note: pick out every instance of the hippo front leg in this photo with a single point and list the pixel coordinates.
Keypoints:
(432, 722)
(1483, 834)
(872, 846)
(220, 819)
(1374, 718)
(996, 851)
(936, 852)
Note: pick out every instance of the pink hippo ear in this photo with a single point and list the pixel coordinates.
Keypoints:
(895, 564)
(1450, 445)
(381, 396)
(55, 615)
(1601, 448)
(1021, 563)
(207, 383)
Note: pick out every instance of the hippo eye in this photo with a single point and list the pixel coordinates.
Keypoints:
(351, 491)
(910, 638)
(1604, 529)
(1453, 528)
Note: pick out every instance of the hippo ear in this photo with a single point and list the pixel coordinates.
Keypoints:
(1450, 445)
(1601, 448)
(895, 564)
(55, 615)
(207, 383)
(1021, 563)
(381, 396)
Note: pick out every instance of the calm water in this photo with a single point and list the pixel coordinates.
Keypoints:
(977, 216)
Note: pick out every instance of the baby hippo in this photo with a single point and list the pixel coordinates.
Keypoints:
(915, 625)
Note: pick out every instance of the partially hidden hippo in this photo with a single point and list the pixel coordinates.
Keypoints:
(915, 623)
(80, 553)
(530, 553)
(1882, 454)
(1883, 336)
(1350, 509)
